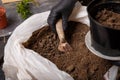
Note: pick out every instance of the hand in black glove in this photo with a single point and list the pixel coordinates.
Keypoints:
(62, 10)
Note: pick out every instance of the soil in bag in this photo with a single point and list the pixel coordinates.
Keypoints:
(80, 63)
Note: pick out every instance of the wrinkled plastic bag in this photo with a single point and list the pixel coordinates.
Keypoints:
(25, 64)
(21, 63)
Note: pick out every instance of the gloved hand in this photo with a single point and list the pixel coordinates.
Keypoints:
(62, 10)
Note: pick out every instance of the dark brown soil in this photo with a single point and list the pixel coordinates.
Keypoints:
(81, 64)
(109, 18)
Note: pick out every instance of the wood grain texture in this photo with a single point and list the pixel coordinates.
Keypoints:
(8, 1)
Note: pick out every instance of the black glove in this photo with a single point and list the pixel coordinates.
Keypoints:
(62, 10)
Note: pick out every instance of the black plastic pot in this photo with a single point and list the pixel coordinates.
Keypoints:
(104, 39)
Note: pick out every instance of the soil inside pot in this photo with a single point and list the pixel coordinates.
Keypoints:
(80, 63)
(109, 18)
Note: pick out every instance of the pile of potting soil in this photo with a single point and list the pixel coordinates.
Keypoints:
(109, 18)
(80, 63)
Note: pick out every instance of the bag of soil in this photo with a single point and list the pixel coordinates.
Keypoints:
(21, 63)
(25, 64)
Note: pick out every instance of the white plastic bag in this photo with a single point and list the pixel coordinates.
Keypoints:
(25, 64)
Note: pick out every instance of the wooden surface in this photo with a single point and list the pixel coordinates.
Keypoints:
(7, 1)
